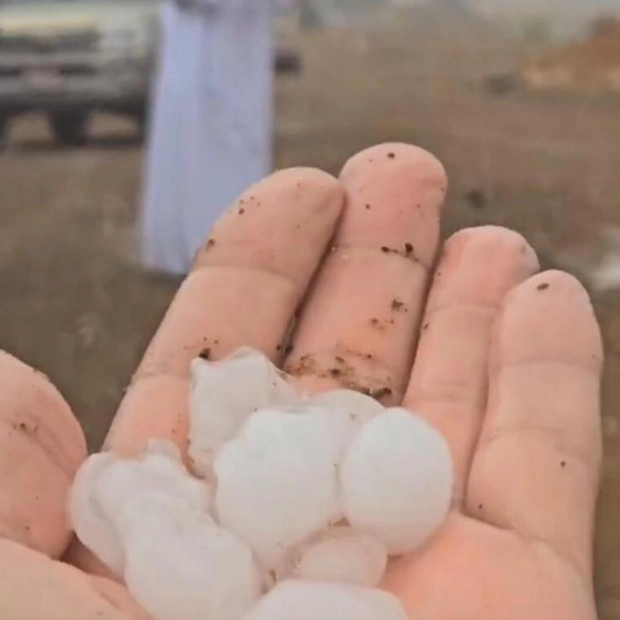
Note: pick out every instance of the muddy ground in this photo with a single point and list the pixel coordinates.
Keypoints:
(74, 304)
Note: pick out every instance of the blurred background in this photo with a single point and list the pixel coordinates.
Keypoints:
(519, 98)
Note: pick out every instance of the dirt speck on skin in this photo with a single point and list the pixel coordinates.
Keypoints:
(381, 324)
(304, 366)
(381, 393)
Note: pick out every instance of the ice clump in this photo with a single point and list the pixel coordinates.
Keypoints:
(302, 497)
(339, 555)
(224, 394)
(277, 481)
(181, 565)
(106, 484)
(396, 480)
(304, 600)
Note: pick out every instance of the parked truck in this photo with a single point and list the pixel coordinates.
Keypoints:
(69, 59)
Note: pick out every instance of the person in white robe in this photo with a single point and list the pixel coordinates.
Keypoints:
(211, 125)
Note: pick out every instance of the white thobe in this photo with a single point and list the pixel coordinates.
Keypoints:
(211, 129)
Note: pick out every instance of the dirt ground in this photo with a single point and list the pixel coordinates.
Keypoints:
(74, 304)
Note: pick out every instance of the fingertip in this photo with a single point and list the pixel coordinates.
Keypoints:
(398, 155)
(489, 239)
(550, 316)
(296, 208)
(480, 266)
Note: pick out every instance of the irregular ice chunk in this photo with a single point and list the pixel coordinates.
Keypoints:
(106, 486)
(304, 600)
(277, 481)
(181, 566)
(396, 480)
(339, 555)
(224, 394)
(348, 412)
(155, 470)
(90, 523)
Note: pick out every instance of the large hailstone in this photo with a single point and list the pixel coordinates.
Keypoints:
(304, 600)
(224, 394)
(277, 481)
(396, 480)
(341, 554)
(106, 485)
(180, 565)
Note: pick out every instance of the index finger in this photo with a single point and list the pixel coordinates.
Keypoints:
(247, 281)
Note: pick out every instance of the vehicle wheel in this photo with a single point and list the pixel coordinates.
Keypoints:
(69, 128)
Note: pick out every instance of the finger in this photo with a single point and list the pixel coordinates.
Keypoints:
(41, 448)
(247, 281)
(359, 325)
(33, 586)
(536, 466)
(450, 376)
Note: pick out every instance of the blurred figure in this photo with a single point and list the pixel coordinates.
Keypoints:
(211, 130)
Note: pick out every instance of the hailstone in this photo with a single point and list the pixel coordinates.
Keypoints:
(224, 394)
(180, 565)
(305, 600)
(106, 486)
(156, 470)
(396, 480)
(277, 481)
(339, 555)
(90, 523)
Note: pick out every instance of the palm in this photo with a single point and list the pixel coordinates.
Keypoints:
(505, 363)
(476, 571)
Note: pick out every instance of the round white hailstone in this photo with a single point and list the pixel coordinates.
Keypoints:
(396, 480)
(305, 600)
(348, 412)
(182, 566)
(158, 469)
(89, 521)
(277, 482)
(339, 555)
(224, 394)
